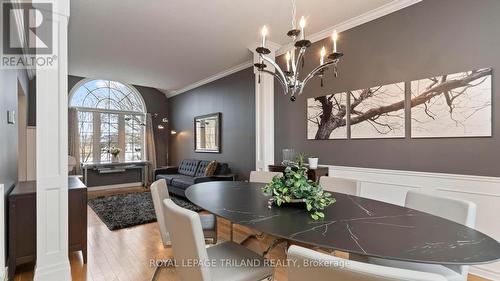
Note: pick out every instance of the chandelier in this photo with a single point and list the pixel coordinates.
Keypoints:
(289, 78)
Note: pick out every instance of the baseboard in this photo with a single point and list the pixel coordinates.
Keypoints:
(59, 271)
(3, 274)
(114, 186)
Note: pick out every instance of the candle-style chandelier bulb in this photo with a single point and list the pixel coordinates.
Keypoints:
(289, 79)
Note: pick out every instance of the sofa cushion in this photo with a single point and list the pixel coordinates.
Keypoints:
(188, 167)
(222, 169)
(168, 178)
(202, 168)
(183, 182)
(210, 170)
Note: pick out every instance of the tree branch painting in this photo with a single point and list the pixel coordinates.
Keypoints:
(378, 112)
(326, 117)
(454, 105)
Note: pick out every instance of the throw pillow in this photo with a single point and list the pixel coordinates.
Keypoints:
(210, 170)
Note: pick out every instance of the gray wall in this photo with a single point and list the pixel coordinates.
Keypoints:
(9, 132)
(429, 38)
(234, 96)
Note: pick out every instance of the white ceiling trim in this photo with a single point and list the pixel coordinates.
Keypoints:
(209, 79)
(376, 13)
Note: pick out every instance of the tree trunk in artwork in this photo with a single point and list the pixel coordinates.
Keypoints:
(329, 121)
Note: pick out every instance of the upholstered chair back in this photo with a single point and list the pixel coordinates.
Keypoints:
(188, 243)
(339, 185)
(263, 177)
(306, 264)
(459, 211)
(159, 192)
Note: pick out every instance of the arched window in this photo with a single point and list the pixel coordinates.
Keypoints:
(110, 114)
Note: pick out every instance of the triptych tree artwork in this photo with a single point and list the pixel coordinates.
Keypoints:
(453, 105)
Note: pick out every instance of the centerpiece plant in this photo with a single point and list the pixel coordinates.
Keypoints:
(115, 151)
(295, 187)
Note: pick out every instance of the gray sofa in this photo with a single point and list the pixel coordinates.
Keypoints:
(190, 172)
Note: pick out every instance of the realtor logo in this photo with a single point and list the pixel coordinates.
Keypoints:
(27, 35)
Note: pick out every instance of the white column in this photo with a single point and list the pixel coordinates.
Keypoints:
(52, 261)
(264, 111)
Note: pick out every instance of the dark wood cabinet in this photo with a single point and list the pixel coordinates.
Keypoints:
(312, 174)
(22, 222)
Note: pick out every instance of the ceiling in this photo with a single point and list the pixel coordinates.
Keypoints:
(171, 44)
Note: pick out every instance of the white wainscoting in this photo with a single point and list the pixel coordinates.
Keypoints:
(391, 186)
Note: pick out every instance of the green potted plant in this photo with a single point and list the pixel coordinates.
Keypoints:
(294, 187)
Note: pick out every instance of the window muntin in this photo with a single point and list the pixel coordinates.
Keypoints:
(134, 137)
(109, 135)
(86, 127)
(110, 114)
(107, 95)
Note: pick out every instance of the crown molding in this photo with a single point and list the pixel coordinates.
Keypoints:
(376, 13)
(207, 80)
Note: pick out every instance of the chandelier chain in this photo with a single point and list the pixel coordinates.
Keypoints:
(294, 13)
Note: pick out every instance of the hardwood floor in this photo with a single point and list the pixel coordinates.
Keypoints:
(125, 255)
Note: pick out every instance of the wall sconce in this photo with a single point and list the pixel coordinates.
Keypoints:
(173, 132)
(164, 120)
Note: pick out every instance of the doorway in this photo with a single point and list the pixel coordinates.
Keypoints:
(22, 137)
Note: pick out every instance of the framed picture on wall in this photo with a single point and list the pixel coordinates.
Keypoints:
(207, 133)
(326, 117)
(378, 112)
(453, 105)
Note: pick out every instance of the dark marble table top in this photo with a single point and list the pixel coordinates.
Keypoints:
(353, 224)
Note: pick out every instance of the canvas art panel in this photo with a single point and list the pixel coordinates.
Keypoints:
(326, 117)
(378, 112)
(453, 105)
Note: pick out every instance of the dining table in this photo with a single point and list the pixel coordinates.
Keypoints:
(353, 224)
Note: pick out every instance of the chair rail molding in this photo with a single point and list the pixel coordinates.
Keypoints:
(264, 111)
(52, 262)
(391, 186)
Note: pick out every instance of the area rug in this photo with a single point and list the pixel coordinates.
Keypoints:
(125, 210)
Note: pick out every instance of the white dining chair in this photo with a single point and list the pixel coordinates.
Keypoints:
(340, 185)
(459, 211)
(188, 245)
(159, 192)
(263, 176)
(307, 264)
